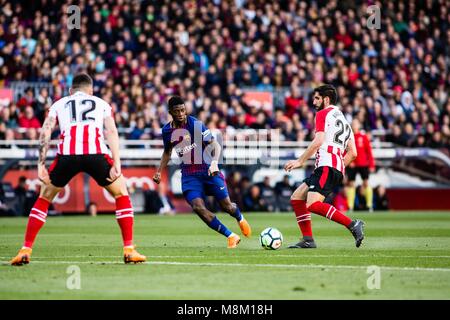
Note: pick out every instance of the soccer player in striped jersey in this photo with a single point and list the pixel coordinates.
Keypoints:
(199, 154)
(81, 117)
(334, 147)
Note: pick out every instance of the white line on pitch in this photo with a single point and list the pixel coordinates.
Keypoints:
(251, 265)
(254, 255)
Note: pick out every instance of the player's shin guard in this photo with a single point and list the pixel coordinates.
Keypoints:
(330, 212)
(125, 219)
(303, 217)
(36, 220)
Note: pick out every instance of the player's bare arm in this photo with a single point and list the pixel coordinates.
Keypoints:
(164, 161)
(309, 152)
(44, 143)
(351, 152)
(214, 166)
(113, 141)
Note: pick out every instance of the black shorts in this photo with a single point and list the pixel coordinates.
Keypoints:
(353, 171)
(65, 167)
(323, 180)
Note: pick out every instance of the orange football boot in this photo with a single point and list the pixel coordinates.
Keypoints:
(233, 240)
(245, 228)
(130, 255)
(23, 257)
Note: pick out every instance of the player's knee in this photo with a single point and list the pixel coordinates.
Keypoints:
(299, 194)
(49, 192)
(295, 196)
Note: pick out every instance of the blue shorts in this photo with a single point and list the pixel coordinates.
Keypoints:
(200, 186)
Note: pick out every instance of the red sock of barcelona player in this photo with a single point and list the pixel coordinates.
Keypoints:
(36, 220)
(125, 219)
(330, 212)
(303, 217)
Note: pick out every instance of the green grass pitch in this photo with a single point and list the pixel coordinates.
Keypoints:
(187, 260)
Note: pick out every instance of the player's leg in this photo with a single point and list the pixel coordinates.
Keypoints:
(98, 167)
(61, 170)
(367, 190)
(350, 190)
(324, 180)
(193, 191)
(298, 201)
(216, 186)
(36, 220)
(198, 205)
(233, 210)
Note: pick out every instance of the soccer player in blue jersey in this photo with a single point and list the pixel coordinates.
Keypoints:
(199, 154)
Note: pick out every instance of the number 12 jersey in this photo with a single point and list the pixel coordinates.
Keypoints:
(81, 117)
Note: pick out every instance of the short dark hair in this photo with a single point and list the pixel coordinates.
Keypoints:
(175, 101)
(82, 80)
(327, 90)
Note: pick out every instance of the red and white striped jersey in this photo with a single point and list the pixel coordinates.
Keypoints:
(80, 117)
(337, 134)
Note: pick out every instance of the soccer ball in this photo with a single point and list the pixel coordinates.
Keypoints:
(271, 239)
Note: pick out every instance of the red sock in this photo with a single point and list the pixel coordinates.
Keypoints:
(36, 220)
(125, 218)
(330, 212)
(303, 217)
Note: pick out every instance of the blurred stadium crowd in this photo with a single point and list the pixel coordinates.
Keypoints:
(395, 80)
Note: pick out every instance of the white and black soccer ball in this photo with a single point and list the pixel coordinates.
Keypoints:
(271, 238)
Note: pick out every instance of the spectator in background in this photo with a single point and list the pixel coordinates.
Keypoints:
(24, 198)
(293, 102)
(360, 200)
(283, 191)
(363, 165)
(340, 200)
(27, 99)
(380, 199)
(92, 209)
(158, 201)
(234, 184)
(253, 200)
(268, 194)
(28, 120)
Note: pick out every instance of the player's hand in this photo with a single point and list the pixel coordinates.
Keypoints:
(213, 168)
(291, 165)
(114, 173)
(371, 170)
(43, 174)
(157, 177)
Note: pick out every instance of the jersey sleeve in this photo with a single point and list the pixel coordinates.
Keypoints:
(166, 140)
(206, 134)
(320, 121)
